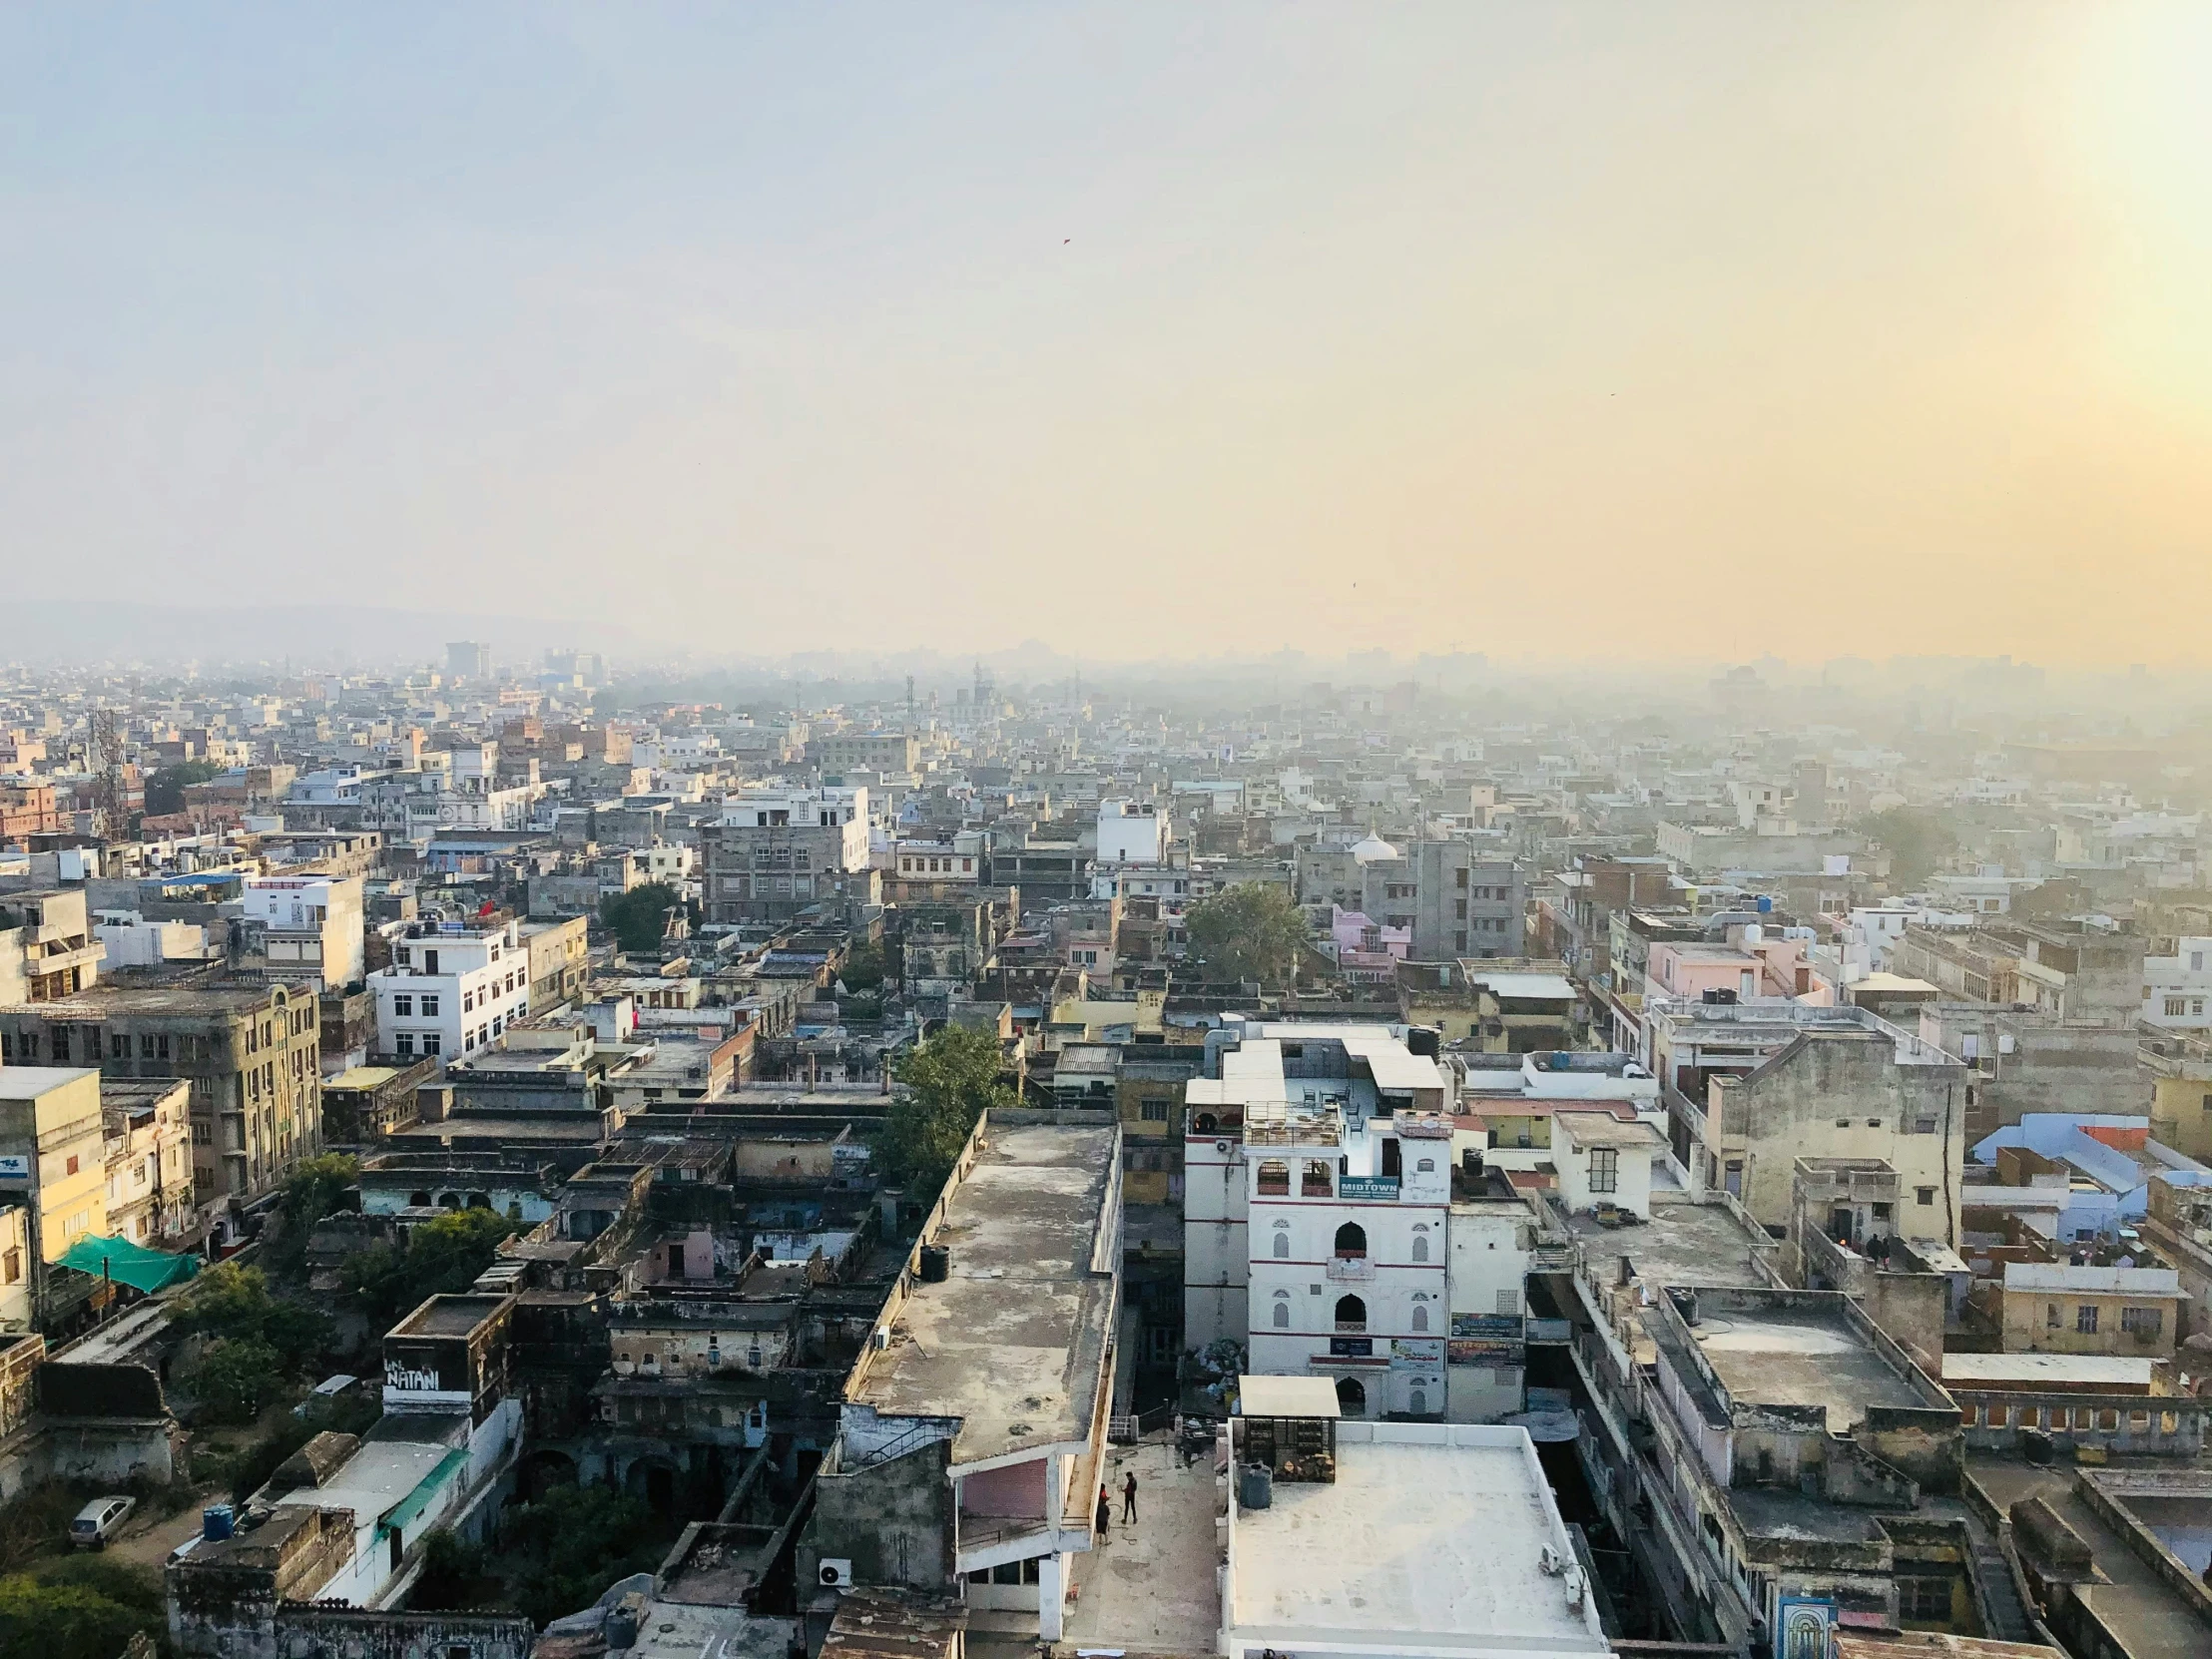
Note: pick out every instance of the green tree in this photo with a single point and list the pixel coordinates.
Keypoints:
(863, 966)
(1248, 931)
(315, 1189)
(164, 790)
(230, 1303)
(639, 918)
(558, 1554)
(79, 1609)
(1916, 842)
(235, 1378)
(453, 1576)
(443, 1257)
(947, 1081)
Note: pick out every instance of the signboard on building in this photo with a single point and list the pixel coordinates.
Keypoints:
(1351, 1348)
(1497, 1355)
(15, 1167)
(1803, 1629)
(1416, 1353)
(1492, 1328)
(1369, 1188)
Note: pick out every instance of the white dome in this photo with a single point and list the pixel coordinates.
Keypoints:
(1374, 847)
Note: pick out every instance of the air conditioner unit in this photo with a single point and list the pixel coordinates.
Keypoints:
(879, 1338)
(836, 1573)
(1222, 1147)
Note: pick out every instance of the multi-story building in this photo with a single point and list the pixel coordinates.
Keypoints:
(2177, 990)
(303, 927)
(148, 1124)
(841, 752)
(249, 1051)
(559, 956)
(450, 990)
(48, 947)
(777, 851)
(53, 1158)
(1293, 1076)
(1457, 897)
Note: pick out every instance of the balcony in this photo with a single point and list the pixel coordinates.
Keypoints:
(1311, 1187)
(1273, 1186)
(1349, 1270)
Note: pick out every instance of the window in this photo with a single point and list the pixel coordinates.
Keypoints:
(2143, 1321)
(1604, 1176)
(2085, 1318)
(1924, 1600)
(11, 1268)
(1281, 1246)
(2050, 1315)
(2176, 1006)
(1282, 1316)
(1153, 1111)
(1351, 1314)
(403, 1006)
(1924, 1126)
(1926, 1195)
(1420, 1247)
(72, 1164)
(403, 1044)
(1508, 1304)
(1420, 1318)
(1351, 1241)
(429, 1007)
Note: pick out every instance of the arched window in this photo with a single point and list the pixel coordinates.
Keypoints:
(1420, 1246)
(1351, 1397)
(1351, 1314)
(1427, 1166)
(1281, 1246)
(1282, 1309)
(1204, 1123)
(1351, 1241)
(1421, 1319)
(1420, 1403)
(421, 1201)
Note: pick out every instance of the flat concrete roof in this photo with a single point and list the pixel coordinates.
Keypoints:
(1604, 1129)
(1682, 1244)
(1429, 1540)
(449, 1315)
(1798, 1358)
(29, 1082)
(1014, 1342)
(1999, 1370)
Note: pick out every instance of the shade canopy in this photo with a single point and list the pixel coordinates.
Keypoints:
(129, 1264)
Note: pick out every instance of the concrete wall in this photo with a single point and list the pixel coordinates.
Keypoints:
(1845, 1096)
(303, 1628)
(893, 1520)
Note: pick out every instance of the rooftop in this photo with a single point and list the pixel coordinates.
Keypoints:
(2031, 1370)
(449, 1315)
(1682, 1244)
(1428, 1538)
(2060, 1276)
(1588, 1129)
(1800, 1357)
(29, 1082)
(1013, 1343)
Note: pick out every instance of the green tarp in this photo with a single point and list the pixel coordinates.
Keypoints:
(128, 1264)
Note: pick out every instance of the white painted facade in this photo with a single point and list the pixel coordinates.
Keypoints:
(315, 924)
(450, 993)
(2177, 990)
(1487, 1294)
(1132, 833)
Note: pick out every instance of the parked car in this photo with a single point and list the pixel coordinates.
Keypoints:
(100, 1520)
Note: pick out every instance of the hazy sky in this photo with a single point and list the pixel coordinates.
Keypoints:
(1628, 329)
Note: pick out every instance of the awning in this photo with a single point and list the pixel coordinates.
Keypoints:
(129, 1264)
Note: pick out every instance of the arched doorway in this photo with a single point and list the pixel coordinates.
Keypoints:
(542, 1470)
(1351, 1314)
(1351, 1397)
(1351, 1241)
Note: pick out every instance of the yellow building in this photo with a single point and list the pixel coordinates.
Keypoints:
(2050, 1308)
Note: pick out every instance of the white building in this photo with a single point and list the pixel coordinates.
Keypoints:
(2177, 990)
(1433, 1539)
(450, 992)
(1486, 1281)
(1316, 1193)
(312, 924)
(1132, 833)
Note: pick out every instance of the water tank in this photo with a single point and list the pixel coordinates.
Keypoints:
(1254, 1486)
(1765, 903)
(217, 1521)
(1424, 1039)
(1560, 1059)
(936, 1264)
